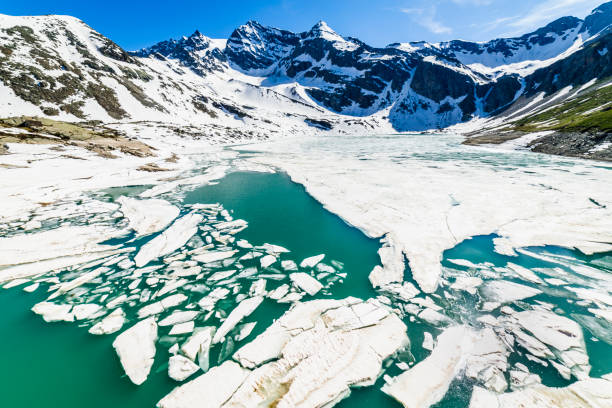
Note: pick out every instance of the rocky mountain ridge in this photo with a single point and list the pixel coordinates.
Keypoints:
(265, 80)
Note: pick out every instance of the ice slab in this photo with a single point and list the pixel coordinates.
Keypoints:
(28, 270)
(324, 347)
(502, 292)
(587, 393)
(60, 242)
(180, 368)
(199, 343)
(147, 216)
(52, 312)
(210, 390)
(563, 335)
(306, 282)
(179, 316)
(136, 349)
(213, 256)
(311, 261)
(481, 354)
(170, 240)
(182, 328)
(267, 260)
(244, 308)
(110, 324)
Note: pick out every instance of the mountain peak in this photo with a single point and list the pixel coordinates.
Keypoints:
(322, 26)
(252, 24)
(323, 30)
(599, 19)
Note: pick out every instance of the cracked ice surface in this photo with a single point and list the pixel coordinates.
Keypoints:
(206, 280)
(480, 353)
(589, 393)
(307, 358)
(147, 216)
(427, 193)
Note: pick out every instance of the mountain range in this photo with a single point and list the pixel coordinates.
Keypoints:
(263, 81)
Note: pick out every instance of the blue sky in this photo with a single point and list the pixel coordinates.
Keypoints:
(134, 24)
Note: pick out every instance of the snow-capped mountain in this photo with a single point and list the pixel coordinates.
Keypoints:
(198, 52)
(263, 80)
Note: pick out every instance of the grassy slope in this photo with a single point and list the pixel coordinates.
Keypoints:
(590, 111)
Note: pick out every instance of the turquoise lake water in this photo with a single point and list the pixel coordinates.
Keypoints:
(61, 365)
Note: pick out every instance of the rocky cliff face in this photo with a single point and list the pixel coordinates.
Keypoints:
(197, 52)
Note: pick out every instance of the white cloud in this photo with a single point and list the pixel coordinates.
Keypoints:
(473, 2)
(550, 10)
(492, 25)
(425, 17)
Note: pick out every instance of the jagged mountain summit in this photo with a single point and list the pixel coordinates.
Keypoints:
(266, 80)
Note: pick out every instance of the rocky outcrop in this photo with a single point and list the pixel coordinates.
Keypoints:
(197, 52)
(255, 48)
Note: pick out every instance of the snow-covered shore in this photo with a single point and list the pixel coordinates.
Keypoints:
(426, 195)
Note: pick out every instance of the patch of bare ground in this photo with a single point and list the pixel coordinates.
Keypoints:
(92, 136)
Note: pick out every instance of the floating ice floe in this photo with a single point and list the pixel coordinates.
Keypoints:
(469, 284)
(501, 292)
(110, 324)
(179, 316)
(587, 393)
(31, 288)
(211, 389)
(466, 263)
(563, 335)
(392, 260)
(244, 309)
(524, 273)
(52, 312)
(310, 356)
(267, 260)
(244, 244)
(275, 249)
(312, 261)
(182, 328)
(86, 311)
(147, 216)
(214, 256)
(458, 348)
(180, 368)
(258, 288)
(306, 282)
(245, 330)
(170, 240)
(56, 243)
(279, 292)
(289, 265)
(162, 305)
(428, 342)
(198, 345)
(136, 349)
